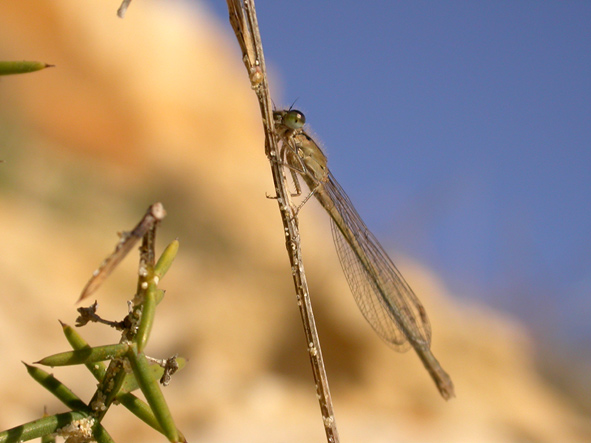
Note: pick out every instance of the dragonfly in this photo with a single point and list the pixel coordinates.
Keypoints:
(383, 296)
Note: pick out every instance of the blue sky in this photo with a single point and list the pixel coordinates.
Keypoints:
(461, 130)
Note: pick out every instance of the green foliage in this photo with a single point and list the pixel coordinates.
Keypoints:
(21, 67)
(128, 368)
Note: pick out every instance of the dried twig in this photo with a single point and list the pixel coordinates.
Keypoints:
(154, 214)
(123, 8)
(244, 21)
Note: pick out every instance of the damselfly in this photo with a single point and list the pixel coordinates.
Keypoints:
(385, 299)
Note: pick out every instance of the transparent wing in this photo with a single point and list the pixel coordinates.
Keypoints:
(383, 296)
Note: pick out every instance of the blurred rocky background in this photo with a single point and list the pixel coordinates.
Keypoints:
(157, 107)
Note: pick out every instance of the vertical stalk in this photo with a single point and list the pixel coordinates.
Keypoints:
(244, 21)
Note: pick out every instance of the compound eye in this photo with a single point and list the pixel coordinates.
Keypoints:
(294, 119)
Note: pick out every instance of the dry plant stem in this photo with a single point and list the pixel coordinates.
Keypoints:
(145, 230)
(244, 21)
(154, 214)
